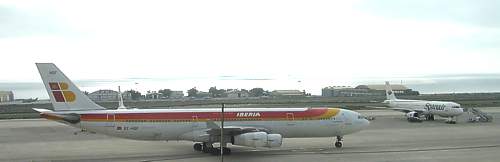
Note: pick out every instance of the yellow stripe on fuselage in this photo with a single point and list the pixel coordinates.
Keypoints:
(331, 112)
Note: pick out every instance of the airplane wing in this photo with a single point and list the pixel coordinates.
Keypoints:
(212, 132)
(248, 136)
(376, 107)
(406, 110)
(215, 130)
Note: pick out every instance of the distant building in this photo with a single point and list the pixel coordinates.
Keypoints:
(237, 94)
(202, 94)
(127, 95)
(287, 93)
(104, 95)
(337, 91)
(365, 90)
(6, 96)
(153, 95)
(398, 89)
(177, 94)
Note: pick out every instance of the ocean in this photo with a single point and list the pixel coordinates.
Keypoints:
(471, 83)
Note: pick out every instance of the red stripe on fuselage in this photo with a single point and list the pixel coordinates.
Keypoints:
(309, 113)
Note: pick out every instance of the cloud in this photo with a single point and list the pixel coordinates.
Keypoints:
(249, 39)
(486, 39)
(17, 22)
(484, 13)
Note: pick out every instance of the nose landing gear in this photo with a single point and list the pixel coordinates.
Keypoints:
(338, 143)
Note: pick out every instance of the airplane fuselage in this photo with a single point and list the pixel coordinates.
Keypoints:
(191, 124)
(440, 108)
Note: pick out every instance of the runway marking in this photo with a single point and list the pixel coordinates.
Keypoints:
(278, 152)
(144, 158)
(311, 150)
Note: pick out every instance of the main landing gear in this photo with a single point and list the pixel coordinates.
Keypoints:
(451, 120)
(197, 147)
(429, 117)
(338, 143)
(209, 148)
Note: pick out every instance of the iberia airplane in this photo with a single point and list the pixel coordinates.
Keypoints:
(252, 127)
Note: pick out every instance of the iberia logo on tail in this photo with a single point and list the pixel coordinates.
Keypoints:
(61, 92)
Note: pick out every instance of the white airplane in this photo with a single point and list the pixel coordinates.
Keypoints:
(415, 109)
(252, 127)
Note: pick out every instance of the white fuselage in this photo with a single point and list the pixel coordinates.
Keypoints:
(345, 122)
(440, 108)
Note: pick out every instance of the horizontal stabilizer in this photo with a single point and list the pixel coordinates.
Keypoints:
(42, 110)
(51, 115)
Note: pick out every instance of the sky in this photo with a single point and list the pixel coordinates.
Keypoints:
(327, 42)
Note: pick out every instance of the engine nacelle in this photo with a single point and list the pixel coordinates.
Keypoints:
(412, 114)
(258, 139)
(413, 117)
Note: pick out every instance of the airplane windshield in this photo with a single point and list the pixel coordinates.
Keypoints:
(455, 107)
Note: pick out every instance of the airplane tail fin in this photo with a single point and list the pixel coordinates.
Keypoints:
(388, 92)
(64, 95)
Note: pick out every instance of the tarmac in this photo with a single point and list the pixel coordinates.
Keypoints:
(389, 138)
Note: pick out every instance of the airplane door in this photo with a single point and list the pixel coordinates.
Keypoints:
(290, 119)
(194, 123)
(110, 122)
(346, 121)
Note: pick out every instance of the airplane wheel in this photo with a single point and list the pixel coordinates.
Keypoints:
(205, 148)
(197, 147)
(226, 151)
(338, 144)
(215, 151)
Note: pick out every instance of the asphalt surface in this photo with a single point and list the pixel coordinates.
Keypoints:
(389, 138)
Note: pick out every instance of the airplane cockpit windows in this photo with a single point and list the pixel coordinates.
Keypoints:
(455, 107)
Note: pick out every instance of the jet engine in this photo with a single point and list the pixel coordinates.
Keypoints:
(257, 139)
(412, 114)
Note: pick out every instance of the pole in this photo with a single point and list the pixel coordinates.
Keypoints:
(222, 134)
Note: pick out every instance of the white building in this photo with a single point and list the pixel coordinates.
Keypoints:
(177, 94)
(104, 95)
(153, 95)
(237, 94)
(287, 93)
(6, 96)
